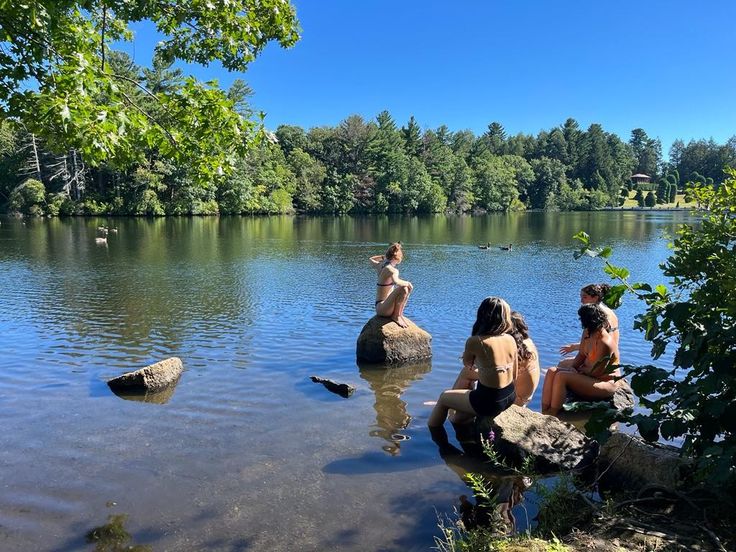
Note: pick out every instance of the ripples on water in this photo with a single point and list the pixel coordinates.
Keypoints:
(246, 451)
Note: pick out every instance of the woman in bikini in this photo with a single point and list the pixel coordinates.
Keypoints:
(528, 377)
(591, 376)
(392, 292)
(491, 358)
(593, 294)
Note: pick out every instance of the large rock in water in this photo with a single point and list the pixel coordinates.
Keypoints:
(152, 379)
(632, 462)
(554, 445)
(383, 341)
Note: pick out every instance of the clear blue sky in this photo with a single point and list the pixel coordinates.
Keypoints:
(666, 66)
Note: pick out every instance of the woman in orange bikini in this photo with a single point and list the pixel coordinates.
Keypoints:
(491, 358)
(593, 294)
(392, 292)
(591, 376)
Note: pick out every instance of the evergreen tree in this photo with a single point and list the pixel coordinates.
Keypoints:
(650, 200)
(412, 135)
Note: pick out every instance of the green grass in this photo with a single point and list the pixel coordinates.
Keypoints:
(680, 198)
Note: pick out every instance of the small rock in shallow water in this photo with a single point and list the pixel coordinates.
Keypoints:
(343, 389)
(153, 378)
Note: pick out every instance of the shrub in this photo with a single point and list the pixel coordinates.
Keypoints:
(650, 200)
(28, 198)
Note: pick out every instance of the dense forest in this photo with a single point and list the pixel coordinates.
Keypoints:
(357, 167)
(84, 130)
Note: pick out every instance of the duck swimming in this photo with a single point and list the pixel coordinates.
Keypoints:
(505, 248)
(486, 246)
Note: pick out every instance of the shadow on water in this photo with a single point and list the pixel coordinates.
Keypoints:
(388, 384)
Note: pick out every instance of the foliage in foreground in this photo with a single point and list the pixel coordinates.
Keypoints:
(695, 399)
(61, 82)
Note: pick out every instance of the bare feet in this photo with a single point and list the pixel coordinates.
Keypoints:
(400, 321)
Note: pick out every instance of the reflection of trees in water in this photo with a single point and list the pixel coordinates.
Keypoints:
(387, 385)
(112, 537)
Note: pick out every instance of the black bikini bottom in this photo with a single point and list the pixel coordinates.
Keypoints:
(490, 401)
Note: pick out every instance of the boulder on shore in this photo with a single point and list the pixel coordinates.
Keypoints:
(632, 462)
(383, 341)
(553, 444)
(152, 379)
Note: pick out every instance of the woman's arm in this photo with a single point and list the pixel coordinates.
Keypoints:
(398, 281)
(572, 347)
(376, 260)
(469, 373)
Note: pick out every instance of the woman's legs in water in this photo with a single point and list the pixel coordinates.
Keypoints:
(456, 399)
(585, 386)
(393, 305)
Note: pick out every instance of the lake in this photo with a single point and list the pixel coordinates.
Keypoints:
(248, 453)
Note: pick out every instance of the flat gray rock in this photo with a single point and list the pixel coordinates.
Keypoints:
(153, 378)
(554, 445)
(383, 341)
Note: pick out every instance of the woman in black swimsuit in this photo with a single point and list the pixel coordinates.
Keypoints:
(392, 293)
(491, 358)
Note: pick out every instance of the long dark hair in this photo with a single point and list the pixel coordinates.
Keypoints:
(592, 317)
(493, 318)
(520, 333)
(597, 290)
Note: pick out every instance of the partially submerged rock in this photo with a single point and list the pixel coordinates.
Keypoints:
(632, 462)
(383, 341)
(554, 445)
(151, 379)
(343, 389)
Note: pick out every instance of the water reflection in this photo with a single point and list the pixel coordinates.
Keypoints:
(161, 397)
(113, 537)
(497, 505)
(388, 384)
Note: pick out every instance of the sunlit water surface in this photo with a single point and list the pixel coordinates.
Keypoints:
(248, 453)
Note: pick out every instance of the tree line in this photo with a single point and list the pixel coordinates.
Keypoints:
(359, 166)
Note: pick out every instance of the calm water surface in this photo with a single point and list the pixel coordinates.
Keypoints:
(247, 453)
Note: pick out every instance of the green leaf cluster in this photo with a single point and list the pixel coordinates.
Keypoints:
(61, 81)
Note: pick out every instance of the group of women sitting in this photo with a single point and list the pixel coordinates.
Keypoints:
(501, 362)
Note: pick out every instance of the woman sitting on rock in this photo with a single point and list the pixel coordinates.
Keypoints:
(593, 294)
(528, 377)
(491, 358)
(589, 374)
(392, 292)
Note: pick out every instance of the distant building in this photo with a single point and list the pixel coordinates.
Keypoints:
(641, 178)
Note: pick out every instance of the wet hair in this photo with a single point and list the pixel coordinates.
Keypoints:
(592, 317)
(393, 251)
(493, 318)
(597, 290)
(520, 332)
